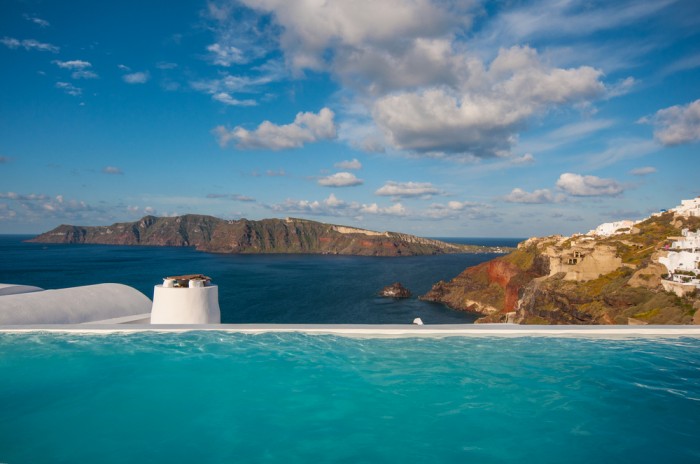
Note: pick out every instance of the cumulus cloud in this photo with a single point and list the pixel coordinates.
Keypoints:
(677, 124)
(29, 44)
(521, 196)
(527, 158)
(309, 28)
(69, 88)
(33, 206)
(353, 164)
(136, 78)
(407, 189)
(334, 206)
(586, 186)
(306, 128)
(80, 68)
(340, 179)
(407, 63)
(643, 171)
(481, 117)
(112, 170)
(454, 209)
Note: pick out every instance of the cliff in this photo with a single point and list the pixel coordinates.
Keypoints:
(207, 233)
(583, 279)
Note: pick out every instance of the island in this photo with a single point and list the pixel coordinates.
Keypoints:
(290, 235)
(624, 272)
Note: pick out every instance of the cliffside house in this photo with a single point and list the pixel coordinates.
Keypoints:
(611, 228)
(683, 264)
(688, 208)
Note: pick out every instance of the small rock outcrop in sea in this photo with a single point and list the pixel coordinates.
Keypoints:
(395, 290)
(643, 273)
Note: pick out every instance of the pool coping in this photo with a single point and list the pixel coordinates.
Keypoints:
(379, 330)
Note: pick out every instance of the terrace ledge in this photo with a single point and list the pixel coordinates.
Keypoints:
(380, 331)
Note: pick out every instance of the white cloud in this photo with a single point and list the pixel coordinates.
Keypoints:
(306, 128)
(227, 99)
(424, 86)
(224, 55)
(79, 68)
(407, 189)
(453, 210)
(38, 21)
(29, 44)
(527, 158)
(584, 186)
(481, 117)
(521, 196)
(353, 164)
(72, 64)
(309, 29)
(333, 206)
(33, 207)
(227, 85)
(69, 88)
(112, 170)
(340, 179)
(396, 209)
(677, 124)
(643, 171)
(136, 78)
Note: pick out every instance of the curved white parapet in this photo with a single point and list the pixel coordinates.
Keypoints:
(13, 289)
(193, 305)
(75, 305)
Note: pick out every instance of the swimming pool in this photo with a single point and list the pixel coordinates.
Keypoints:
(230, 397)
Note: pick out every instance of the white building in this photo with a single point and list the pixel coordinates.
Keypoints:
(688, 208)
(690, 242)
(612, 228)
(683, 260)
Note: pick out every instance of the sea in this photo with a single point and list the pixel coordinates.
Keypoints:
(221, 397)
(275, 288)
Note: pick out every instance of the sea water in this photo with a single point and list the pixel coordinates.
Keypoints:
(211, 397)
(255, 288)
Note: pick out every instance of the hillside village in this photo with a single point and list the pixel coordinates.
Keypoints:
(623, 272)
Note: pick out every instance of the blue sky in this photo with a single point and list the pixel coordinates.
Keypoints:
(439, 118)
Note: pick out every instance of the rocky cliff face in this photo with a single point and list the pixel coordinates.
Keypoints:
(215, 235)
(581, 279)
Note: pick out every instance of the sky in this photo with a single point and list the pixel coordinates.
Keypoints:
(433, 117)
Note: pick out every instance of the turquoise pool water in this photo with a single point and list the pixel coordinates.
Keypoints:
(222, 397)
